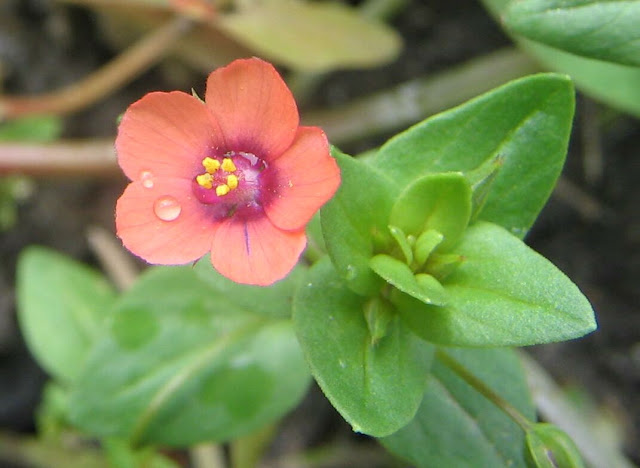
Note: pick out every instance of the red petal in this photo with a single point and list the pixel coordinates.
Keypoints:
(255, 251)
(182, 240)
(306, 178)
(255, 109)
(166, 134)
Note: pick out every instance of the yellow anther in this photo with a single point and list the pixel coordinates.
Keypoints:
(232, 181)
(211, 165)
(227, 165)
(205, 180)
(222, 189)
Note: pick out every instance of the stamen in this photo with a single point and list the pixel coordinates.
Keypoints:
(227, 165)
(211, 165)
(205, 180)
(232, 181)
(222, 190)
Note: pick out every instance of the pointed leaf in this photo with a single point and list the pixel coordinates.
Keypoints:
(526, 121)
(376, 387)
(503, 294)
(355, 222)
(441, 202)
(399, 275)
(457, 426)
(180, 364)
(616, 85)
(604, 30)
(61, 307)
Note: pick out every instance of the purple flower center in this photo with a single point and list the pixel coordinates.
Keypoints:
(234, 183)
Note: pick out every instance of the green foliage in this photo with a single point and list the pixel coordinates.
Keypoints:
(457, 426)
(615, 84)
(423, 287)
(525, 122)
(13, 188)
(377, 386)
(181, 363)
(502, 294)
(272, 302)
(312, 36)
(604, 30)
(441, 202)
(121, 455)
(61, 308)
(355, 222)
(548, 447)
(37, 128)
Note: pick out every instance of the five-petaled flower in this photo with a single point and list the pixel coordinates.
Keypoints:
(235, 175)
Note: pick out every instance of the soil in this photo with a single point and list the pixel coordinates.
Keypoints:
(45, 45)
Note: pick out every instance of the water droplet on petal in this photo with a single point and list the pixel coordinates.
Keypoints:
(167, 208)
(146, 178)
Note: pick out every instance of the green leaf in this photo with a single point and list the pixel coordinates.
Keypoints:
(502, 294)
(604, 30)
(312, 36)
(272, 302)
(457, 426)
(61, 308)
(399, 275)
(617, 85)
(527, 122)
(38, 128)
(355, 222)
(425, 244)
(180, 363)
(548, 446)
(441, 202)
(377, 388)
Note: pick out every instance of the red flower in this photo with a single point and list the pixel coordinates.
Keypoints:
(235, 175)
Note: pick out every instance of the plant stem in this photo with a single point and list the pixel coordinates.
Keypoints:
(484, 390)
(194, 9)
(117, 264)
(556, 408)
(412, 101)
(119, 71)
(207, 456)
(64, 158)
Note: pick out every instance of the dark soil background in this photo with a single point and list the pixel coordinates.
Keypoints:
(45, 45)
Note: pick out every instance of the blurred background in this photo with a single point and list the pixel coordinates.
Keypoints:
(362, 71)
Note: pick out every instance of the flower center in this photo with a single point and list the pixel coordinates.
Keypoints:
(231, 181)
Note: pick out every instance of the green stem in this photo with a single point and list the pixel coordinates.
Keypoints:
(484, 390)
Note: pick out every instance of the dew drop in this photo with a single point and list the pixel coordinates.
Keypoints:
(342, 364)
(146, 178)
(167, 208)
